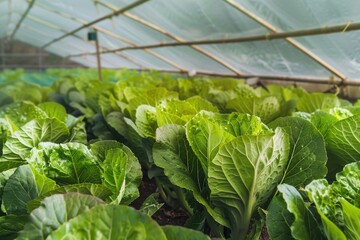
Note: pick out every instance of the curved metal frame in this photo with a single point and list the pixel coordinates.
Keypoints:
(274, 34)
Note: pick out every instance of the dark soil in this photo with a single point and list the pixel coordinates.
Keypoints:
(146, 188)
(168, 216)
(264, 234)
(165, 215)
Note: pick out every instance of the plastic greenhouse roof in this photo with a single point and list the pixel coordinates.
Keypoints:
(284, 39)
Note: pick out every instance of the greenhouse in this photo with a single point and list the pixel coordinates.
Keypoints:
(180, 119)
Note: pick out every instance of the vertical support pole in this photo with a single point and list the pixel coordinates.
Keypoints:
(39, 52)
(98, 57)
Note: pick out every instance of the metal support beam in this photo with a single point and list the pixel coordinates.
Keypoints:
(31, 4)
(293, 42)
(110, 34)
(262, 37)
(98, 57)
(120, 11)
(172, 36)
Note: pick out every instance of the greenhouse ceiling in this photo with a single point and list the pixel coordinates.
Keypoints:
(283, 39)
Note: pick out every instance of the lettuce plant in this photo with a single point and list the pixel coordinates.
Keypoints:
(230, 163)
(331, 211)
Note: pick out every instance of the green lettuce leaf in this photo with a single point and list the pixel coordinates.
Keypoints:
(242, 124)
(19, 113)
(150, 97)
(23, 186)
(199, 104)
(127, 129)
(181, 233)
(77, 129)
(114, 174)
(342, 141)
(307, 160)
(11, 225)
(110, 101)
(4, 176)
(174, 112)
(302, 223)
(56, 211)
(96, 190)
(327, 197)
(323, 121)
(279, 220)
(340, 113)
(206, 135)
(100, 148)
(20, 143)
(120, 155)
(146, 120)
(332, 231)
(267, 108)
(54, 110)
(173, 153)
(351, 219)
(67, 163)
(111, 222)
(244, 174)
(317, 101)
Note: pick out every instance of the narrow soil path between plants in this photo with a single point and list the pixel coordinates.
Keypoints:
(165, 215)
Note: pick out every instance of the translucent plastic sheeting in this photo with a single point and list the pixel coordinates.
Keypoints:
(290, 15)
(14, 10)
(60, 50)
(133, 31)
(148, 60)
(107, 62)
(54, 19)
(38, 40)
(185, 19)
(275, 58)
(4, 8)
(40, 26)
(31, 37)
(122, 3)
(84, 9)
(3, 24)
(73, 45)
(118, 61)
(57, 49)
(191, 60)
(139, 34)
(79, 45)
(11, 21)
(4, 18)
(197, 20)
(341, 50)
(89, 61)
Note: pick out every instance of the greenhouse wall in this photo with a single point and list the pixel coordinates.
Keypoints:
(16, 54)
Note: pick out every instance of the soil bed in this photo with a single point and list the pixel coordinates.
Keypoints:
(165, 215)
